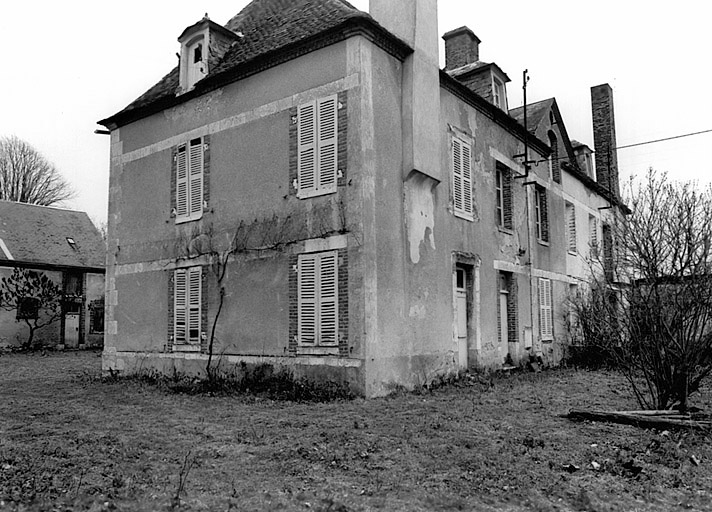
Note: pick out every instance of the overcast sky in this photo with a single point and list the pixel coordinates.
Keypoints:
(69, 64)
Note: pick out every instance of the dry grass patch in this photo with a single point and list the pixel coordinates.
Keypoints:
(75, 443)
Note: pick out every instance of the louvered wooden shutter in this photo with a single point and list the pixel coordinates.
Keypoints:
(593, 235)
(194, 299)
(327, 143)
(181, 183)
(457, 189)
(571, 226)
(545, 310)
(196, 179)
(306, 144)
(307, 292)
(328, 299)
(180, 288)
(467, 178)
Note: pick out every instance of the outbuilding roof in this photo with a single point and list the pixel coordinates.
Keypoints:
(48, 236)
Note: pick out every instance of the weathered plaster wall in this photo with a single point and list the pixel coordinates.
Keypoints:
(249, 125)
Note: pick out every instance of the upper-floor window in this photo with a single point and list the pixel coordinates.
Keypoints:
(462, 177)
(541, 214)
(571, 227)
(503, 199)
(317, 140)
(189, 181)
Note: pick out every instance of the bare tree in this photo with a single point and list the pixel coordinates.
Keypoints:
(28, 177)
(649, 308)
(35, 298)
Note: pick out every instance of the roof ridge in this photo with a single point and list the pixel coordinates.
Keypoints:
(62, 208)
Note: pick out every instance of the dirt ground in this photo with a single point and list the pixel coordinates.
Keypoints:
(69, 441)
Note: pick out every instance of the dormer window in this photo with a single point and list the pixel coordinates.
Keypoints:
(201, 47)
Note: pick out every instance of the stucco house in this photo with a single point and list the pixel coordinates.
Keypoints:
(65, 246)
(310, 176)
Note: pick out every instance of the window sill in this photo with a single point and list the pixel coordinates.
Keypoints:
(187, 219)
(316, 193)
(506, 231)
(464, 216)
(542, 242)
(184, 347)
(572, 253)
(317, 351)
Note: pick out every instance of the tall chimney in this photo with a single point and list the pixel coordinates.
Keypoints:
(416, 22)
(462, 47)
(604, 138)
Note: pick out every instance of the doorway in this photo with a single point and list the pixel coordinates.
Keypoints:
(462, 301)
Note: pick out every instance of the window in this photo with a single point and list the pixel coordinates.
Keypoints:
(499, 93)
(593, 236)
(96, 316)
(28, 308)
(554, 164)
(318, 299)
(187, 290)
(541, 214)
(503, 200)
(571, 227)
(608, 252)
(462, 178)
(546, 317)
(196, 67)
(189, 181)
(317, 137)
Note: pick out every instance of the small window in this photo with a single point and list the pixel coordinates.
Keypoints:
(460, 278)
(198, 53)
(28, 308)
(541, 214)
(317, 139)
(462, 178)
(571, 227)
(499, 93)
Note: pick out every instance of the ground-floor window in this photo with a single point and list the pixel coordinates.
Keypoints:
(318, 299)
(546, 318)
(187, 290)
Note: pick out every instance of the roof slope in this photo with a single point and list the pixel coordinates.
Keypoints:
(535, 113)
(266, 26)
(38, 234)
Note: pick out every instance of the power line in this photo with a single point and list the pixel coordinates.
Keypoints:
(663, 140)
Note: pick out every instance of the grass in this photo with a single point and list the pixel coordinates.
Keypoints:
(71, 441)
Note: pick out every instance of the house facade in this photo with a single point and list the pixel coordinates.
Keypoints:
(325, 197)
(65, 246)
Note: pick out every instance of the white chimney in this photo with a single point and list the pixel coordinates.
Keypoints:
(416, 23)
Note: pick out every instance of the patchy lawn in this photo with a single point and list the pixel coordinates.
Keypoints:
(71, 442)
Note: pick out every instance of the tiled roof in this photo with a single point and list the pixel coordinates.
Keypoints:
(535, 113)
(38, 234)
(267, 26)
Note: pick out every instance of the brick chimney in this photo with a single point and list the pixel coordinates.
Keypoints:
(604, 138)
(462, 47)
(416, 23)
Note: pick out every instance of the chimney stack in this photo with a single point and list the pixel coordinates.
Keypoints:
(462, 47)
(604, 138)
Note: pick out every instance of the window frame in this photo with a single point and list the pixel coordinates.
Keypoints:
(504, 200)
(192, 179)
(462, 177)
(593, 245)
(499, 93)
(317, 155)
